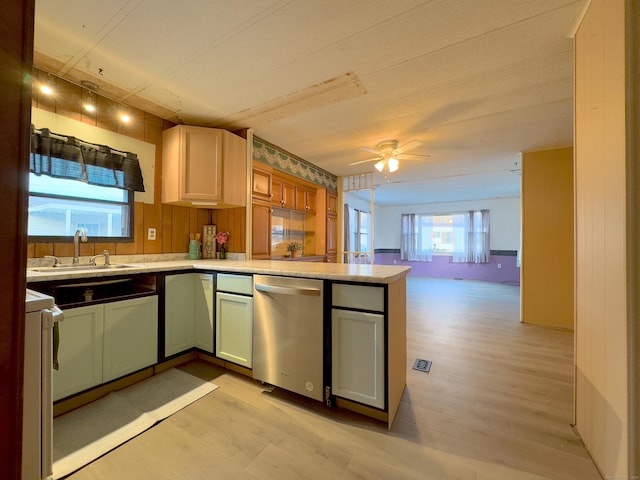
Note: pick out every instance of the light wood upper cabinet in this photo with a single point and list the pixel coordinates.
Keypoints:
(203, 166)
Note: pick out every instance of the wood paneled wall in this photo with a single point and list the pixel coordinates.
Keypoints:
(173, 224)
(603, 410)
(547, 238)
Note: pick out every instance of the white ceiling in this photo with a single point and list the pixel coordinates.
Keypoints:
(477, 81)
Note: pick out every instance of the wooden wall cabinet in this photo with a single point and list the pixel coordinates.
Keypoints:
(261, 183)
(271, 189)
(332, 204)
(283, 193)
(203, 166)
(332, 227)
(305, 200)
(261, 230)
(261, 197)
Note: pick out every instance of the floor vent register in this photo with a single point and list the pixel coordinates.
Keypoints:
(422, 365)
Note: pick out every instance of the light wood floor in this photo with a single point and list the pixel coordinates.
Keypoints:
(496, 405)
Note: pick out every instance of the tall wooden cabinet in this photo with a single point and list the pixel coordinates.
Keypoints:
(332, 227)
(203, 166)
(276, 193)
(261, 194)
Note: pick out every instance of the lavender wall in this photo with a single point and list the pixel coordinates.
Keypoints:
(441, 267)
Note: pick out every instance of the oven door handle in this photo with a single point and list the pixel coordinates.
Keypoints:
(314, 292)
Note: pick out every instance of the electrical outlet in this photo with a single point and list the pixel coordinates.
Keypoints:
(499, 265)
(151, 234)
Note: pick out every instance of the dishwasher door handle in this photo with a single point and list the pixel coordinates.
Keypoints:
(315, 292)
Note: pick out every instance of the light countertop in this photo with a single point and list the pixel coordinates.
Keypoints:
(333, 271)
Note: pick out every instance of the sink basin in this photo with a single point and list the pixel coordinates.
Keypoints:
(77, 268)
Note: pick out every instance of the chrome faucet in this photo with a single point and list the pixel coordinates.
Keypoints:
(105, 254)
(56, 260)
(81, 234)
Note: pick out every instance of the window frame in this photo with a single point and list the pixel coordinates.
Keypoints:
(130, 204)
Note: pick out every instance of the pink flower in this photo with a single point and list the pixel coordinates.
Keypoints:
(222, 237)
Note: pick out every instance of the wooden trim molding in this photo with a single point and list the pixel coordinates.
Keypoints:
(632, 22)
(16, 57)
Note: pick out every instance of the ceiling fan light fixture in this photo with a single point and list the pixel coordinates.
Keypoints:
(380, 165)
(393, 164)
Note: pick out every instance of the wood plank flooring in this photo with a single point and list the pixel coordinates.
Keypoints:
(497, 405)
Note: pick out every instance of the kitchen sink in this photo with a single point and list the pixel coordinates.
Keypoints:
(79, 267)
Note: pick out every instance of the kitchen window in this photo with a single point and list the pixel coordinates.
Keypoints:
(58, 207)
(76, 184)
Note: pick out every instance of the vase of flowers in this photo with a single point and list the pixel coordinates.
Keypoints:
(222, 238)
(295, 249)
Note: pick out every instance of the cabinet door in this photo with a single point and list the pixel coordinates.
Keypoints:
(332, 235)
(311, 201)
(80, 351)
(357, 356)
(332, 204)
(261, 182)
(130, 336)
(234, 328)
(201, 165)
(288, 195)
(179, 313)
(261, 230)
(301, 199)
(277, 197)
(204, 311)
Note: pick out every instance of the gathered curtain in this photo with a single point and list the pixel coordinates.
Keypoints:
(416, 237)
(471, 237)
(67, 157)
(460, 228)
(479, 231)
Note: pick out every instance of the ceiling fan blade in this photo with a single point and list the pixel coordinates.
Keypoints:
(412, 156)
(408, 146)
(365, 161)
(371, 150)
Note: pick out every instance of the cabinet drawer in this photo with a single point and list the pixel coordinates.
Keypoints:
(235, 283)
(358, 296)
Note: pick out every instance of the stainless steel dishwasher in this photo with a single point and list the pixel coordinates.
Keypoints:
(288, 333)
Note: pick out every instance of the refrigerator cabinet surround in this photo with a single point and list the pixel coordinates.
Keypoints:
(288, 334)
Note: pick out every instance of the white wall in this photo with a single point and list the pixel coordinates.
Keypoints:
(356, 202)
(504, 215)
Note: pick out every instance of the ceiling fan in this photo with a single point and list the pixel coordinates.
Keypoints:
(388, 153)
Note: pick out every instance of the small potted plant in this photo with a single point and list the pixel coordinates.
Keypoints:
(295, 249)
(222, 238)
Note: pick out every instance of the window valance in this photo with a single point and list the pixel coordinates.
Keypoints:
(67, 157)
